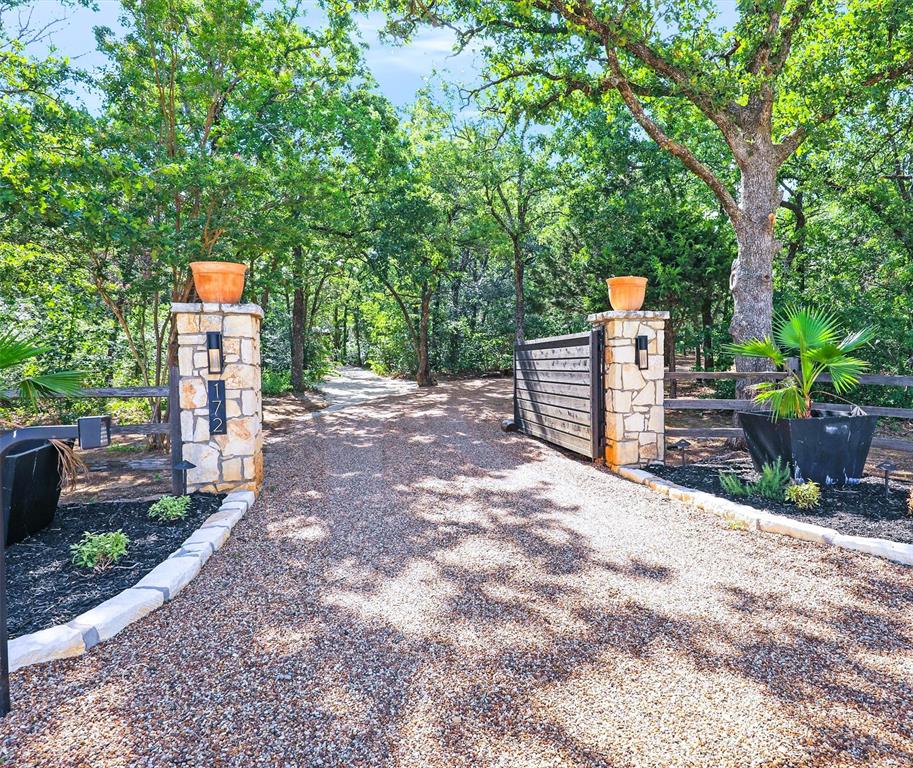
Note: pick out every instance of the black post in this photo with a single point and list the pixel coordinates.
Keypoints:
(4, 640)
(178, 477)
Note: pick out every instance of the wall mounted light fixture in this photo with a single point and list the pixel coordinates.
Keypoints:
(214, 351)
(641, 352)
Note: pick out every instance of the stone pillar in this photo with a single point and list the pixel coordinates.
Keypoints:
(232, 461)
(634, 419)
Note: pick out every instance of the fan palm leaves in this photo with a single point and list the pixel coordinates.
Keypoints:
(814, 337)
(16, 351)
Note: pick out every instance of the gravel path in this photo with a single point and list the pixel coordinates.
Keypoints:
(415, 588)
(352, 386)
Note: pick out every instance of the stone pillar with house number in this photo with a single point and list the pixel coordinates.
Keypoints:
(634, 370)
(224, 440)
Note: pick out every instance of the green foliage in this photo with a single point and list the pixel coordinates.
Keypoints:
(814, 337)
(99, 551)
(276, 383)
(170, 508)
(770, 484)
(733, 485)
(15, 352)
(804, 495)
(397, 238)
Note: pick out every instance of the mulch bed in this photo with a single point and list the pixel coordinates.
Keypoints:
(857, 510)
(45, 588)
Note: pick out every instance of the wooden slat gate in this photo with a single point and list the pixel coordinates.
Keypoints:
(558, 391)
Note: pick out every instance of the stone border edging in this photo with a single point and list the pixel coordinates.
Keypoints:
(162, 584)
(757, 520)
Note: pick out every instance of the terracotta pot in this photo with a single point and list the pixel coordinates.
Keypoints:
(626, 294)
(218, 282)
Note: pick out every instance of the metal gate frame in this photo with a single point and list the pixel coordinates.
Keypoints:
(596, 342)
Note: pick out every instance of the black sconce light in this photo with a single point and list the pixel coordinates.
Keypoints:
(214, 351)
(642, 357)
(93, 431)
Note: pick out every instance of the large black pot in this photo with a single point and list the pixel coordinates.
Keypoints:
(31, 489)
(828, 449)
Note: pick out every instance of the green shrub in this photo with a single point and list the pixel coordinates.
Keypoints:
(773, 481)
(170, 508)
(100, 551)
(732, 485)
(276, 382)
(804, 495)
(771, 484)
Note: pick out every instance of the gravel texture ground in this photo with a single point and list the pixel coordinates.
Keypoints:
(416, 588)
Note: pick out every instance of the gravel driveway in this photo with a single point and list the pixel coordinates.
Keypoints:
(415, 588)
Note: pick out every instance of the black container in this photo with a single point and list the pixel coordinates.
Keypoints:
(31, 489)
(827, 449)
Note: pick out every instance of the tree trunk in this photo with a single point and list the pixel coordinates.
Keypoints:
(453, 341)
(423, 375)
(298, 319)
(751, 281)
(707, 332)
(361, 361)
(519, 297)
(345, 333)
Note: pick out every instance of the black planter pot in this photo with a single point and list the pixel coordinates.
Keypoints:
(31, 489)
(827, 449)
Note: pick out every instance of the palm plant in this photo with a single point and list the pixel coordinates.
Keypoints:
(816, 339)
(16, 351)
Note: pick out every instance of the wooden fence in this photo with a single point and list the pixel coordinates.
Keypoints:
(710, 404)
(172, 427)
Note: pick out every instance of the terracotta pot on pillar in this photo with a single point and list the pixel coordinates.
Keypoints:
(218, 282)
(626, 294)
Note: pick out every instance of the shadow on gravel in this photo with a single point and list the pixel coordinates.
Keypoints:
(414, 588)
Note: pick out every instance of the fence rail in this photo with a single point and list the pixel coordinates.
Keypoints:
(103, 392)
(172, 427)
(715, 404)
(874, 379)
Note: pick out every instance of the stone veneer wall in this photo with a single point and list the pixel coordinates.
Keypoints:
(235, 460)
(635, 422)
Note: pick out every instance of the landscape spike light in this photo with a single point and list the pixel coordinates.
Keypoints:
(887, 467)
(682, 445)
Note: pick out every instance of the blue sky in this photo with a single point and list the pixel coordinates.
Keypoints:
(399, 70)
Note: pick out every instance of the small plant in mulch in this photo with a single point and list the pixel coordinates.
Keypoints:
(804, 495)
(170, 508)
(770, 485)
(910, 504)
(99, 551)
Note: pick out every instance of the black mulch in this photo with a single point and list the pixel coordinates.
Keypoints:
(857, 510)
(45, 588)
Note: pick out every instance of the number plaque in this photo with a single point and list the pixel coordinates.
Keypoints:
(217, 420)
